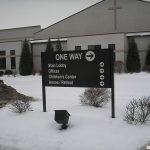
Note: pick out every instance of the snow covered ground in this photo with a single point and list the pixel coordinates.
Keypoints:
(89, 128)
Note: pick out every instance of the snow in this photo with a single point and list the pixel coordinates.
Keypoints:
(89, 128)
(138, 34)
(46, 40)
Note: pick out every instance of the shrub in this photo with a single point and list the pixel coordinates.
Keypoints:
(119, 66)
(138, 111)
(20, 106)
(40, 72)
(26, 59)
(146, 68)
(96, 97)
(49, 46)
(133, 59)
(58, 45)
(34, 72)
(147, 60)
(1, 81)
(1, 73)
(14, 73)
(8, 72)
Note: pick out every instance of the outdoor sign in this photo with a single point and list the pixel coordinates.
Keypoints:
(86, 68)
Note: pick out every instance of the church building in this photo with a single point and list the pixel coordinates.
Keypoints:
(11, 42)
(107, 24)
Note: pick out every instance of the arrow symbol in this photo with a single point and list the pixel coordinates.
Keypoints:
(90, 56)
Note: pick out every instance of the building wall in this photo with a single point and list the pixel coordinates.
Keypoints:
(95, 25)
(103, 40)
(12, 39)
(37, 48)
(99, 19)
(83, 41)
(7, 46)
(142, 44)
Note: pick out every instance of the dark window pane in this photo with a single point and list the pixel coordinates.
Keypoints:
(12, 52)
(2, 63)
(97, 47)
(77, 48)
(91, 47)
(94, 47)
(111, 46)
(2, 53)
(13, 63)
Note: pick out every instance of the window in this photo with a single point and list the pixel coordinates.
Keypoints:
(2, 53)
(77, 48)
(2, 63)
(13, 63)
(94, 47)
(12, 52)
(2, 59)
(97, 47)
(111, 46)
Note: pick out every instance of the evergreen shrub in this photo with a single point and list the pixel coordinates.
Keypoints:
(147, 61)
(133, 60)
(58, 45)
(8, 72)
(26, 60)
(49, 46)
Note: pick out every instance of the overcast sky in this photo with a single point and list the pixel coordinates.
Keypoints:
(20, 13)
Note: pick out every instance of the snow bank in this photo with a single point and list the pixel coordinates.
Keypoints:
(89, 128)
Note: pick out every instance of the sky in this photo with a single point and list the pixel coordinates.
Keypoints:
(21, 13)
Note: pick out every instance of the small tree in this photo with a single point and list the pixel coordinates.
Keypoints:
(147, 61)
(133, 60)
(58, 45)
(49, 47)
(26, 60)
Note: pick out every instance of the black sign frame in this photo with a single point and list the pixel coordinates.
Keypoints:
(89, 60)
